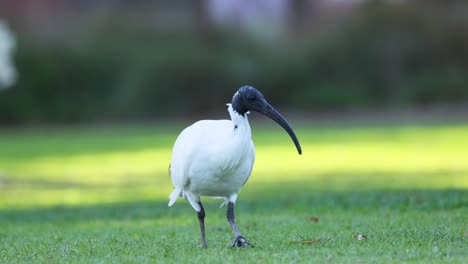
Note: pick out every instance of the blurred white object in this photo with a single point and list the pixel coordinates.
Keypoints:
(262, 18)
(7, 45)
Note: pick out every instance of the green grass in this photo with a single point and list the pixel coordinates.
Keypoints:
(100, 195)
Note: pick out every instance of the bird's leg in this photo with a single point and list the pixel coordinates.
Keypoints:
(201, 219)
(240, 240)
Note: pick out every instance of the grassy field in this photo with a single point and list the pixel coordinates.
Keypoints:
(99, 195)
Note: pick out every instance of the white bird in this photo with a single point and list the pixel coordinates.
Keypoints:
(215, 157)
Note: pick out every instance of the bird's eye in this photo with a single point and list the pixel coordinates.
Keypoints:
(251, 97)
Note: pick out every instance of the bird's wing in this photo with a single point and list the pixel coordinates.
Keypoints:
(180, 160)
(183, 153)
(193, 146)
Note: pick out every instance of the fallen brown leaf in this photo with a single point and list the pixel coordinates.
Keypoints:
(314, 219)
(306, 242)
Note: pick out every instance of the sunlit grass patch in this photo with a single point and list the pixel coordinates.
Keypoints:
(73, 166)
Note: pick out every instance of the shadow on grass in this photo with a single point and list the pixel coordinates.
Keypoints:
(277, 198)
(143, 209)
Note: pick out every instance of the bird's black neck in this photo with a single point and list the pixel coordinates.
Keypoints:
(239, 108)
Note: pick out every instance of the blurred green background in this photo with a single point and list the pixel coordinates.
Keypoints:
(376, 91)
(81, 61)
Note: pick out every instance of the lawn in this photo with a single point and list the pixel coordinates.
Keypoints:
(99, 195)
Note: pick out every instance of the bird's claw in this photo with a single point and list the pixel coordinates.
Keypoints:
(241, 242)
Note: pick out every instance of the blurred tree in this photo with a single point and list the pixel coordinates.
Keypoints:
(298, 11)
(202, 20)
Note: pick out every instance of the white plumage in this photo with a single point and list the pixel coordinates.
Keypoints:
(212, 158)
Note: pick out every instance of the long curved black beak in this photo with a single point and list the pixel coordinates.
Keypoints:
(265, 108)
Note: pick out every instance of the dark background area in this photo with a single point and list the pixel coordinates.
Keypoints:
(90, 61)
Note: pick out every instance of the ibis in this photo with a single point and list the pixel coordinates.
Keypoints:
(215, 157)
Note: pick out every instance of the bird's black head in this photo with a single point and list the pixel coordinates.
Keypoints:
(248, 98)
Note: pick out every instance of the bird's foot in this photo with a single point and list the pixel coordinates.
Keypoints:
(204, 245)
(241, 242)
